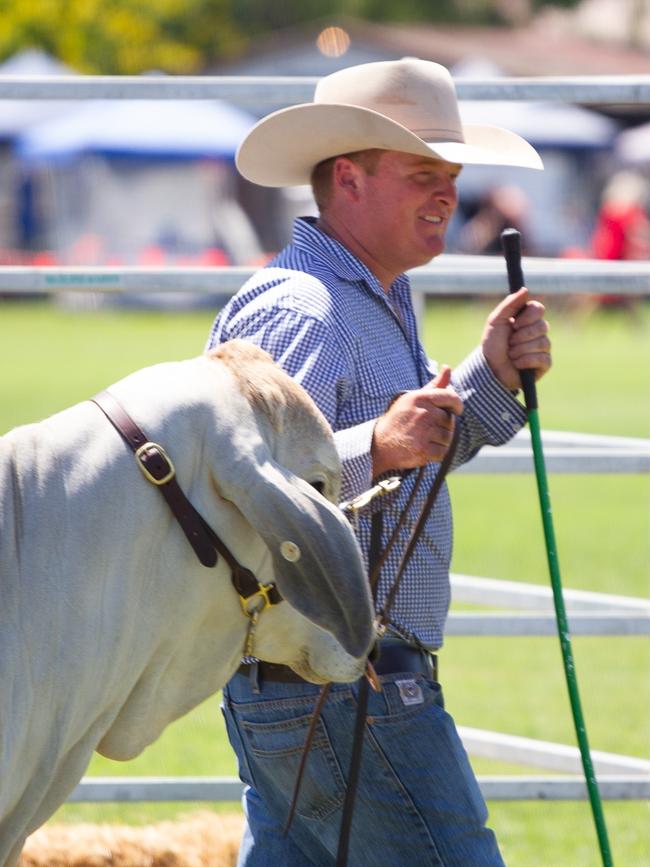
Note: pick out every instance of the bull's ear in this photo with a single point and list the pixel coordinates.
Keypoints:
(321, 573)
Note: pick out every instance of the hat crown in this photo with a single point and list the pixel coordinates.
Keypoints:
(407, 105)
(418, 94)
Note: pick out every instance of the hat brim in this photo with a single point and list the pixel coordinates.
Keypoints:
(283, 148)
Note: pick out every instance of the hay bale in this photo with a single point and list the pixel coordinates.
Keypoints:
(202, 839)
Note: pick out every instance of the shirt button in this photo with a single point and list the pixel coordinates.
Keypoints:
(506, 416)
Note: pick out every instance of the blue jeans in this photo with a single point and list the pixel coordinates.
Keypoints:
(418, 802)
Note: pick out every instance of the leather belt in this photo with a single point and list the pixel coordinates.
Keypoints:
(394, 657)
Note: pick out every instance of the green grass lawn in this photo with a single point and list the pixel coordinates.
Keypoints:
(51, 357)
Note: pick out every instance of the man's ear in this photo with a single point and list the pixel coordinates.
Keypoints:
(346, 176)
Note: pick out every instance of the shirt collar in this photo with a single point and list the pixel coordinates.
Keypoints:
(308, 237)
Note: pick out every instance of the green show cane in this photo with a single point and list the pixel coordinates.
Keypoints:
(510, 242)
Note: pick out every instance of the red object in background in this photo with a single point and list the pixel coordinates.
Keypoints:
(213, 256)
(622, 232)
(152, 256)
(44, 258)
(27, 258)
(155, 256)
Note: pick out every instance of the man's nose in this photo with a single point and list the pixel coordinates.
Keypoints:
(446, 192)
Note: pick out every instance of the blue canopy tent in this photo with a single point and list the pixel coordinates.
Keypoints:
(545, 125)
(58, 138)
(170, 129)
(137, 174)
(17, 192)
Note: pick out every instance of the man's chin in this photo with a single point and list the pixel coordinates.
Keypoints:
(431, 248)
(435, 247)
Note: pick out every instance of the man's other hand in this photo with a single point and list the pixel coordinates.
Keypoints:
(516, 338)
(418, 426)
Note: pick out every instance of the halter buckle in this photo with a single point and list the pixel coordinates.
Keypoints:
(150, 449)
(253, 605)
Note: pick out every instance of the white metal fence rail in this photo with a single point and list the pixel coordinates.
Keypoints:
(451, 275)
(613, 787)
(580, 89)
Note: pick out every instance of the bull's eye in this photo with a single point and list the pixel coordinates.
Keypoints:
(319, 486)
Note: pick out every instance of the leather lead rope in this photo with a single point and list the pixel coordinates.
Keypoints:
(322, 697)
(354, 770)
(432, 496)
(376, 559)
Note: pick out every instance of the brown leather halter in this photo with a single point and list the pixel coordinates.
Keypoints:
(158, 469)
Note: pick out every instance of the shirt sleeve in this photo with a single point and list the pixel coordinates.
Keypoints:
(491, 413)
(310, 353)
(353, 445)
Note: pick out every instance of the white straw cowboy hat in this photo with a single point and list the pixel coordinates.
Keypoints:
(404, 105)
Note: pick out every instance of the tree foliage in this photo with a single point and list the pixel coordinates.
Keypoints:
(122, 36)
(125, 37)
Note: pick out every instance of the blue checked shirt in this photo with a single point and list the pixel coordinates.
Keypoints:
(328, 321)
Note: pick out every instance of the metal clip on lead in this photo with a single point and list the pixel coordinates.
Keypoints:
(379, 490)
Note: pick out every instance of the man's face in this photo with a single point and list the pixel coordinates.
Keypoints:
(405, 208)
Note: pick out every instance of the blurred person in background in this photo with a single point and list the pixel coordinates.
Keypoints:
(623, 224)
(622, 231)
(499, 208)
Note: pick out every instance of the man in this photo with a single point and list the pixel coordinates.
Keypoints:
(382, 145)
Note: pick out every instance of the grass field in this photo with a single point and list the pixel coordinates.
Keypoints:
(52, 356)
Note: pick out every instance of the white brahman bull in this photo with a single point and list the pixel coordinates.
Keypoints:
(110, 628)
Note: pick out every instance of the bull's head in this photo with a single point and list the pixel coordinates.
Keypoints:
(283, 476)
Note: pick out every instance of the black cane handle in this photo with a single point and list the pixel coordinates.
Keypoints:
(511, 244)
